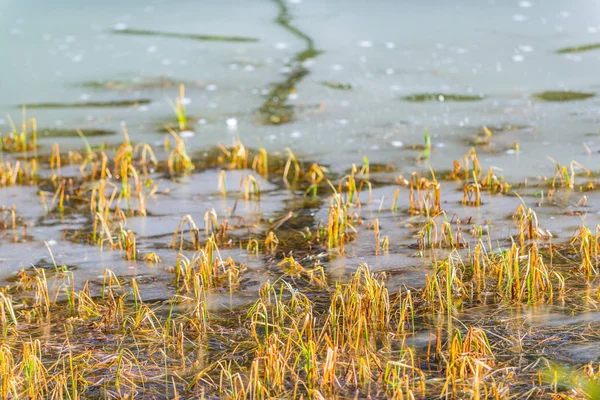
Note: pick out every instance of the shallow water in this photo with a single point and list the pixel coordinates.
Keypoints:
(385, 50)
(373, 56)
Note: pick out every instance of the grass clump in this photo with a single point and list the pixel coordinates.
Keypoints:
(23, 138)
(425, 196)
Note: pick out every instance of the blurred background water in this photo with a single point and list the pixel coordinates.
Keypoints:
(385, 50)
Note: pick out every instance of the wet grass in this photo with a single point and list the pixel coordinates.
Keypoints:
(310, 330)
(92, 104)
(190, 36)
(561, 96)
(281, 304)
(441, 97)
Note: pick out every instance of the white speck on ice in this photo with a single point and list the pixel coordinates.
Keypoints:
(296, 134)
(249, 68)
(231, 122)
(202, 121)
(281, 46)
(293, 96)
(186, 100)
(121, 26)
(187, 134)
(211, 87)
(151, 49)
(389, 71)
(397, 143)
(166, 61)
(525, 4)
(519, 18)
(84, 96)
(337, 67)
(390, 45)
(525, 48)
(518, 58)
(365, 43)
(441, 98)
(573, 57)
(343, 122)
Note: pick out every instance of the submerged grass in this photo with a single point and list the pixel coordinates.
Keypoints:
(337, 85)
(92, 104)
(60, 133)
(561, 96)
(191, 36)
(441, 97)
(579, 49)
(275, 109)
